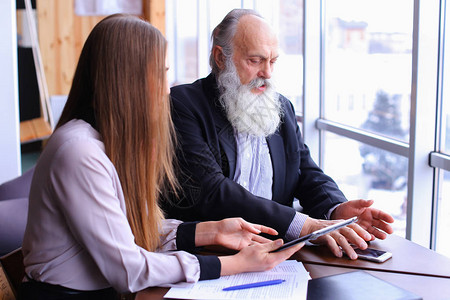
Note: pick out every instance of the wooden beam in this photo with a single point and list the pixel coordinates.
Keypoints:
(154, 11)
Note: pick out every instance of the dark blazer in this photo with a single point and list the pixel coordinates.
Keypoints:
(207, 157)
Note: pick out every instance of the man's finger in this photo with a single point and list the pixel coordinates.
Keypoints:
(345, 246)
(360, 231)
(364, 203)
(381, 215)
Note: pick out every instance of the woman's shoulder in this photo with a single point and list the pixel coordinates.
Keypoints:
(75, 132)
(74, 141)
(73, 152)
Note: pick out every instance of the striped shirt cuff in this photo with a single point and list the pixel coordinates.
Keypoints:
(328, 215)
(296, 226)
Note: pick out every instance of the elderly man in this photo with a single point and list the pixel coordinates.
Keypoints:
(241, 152)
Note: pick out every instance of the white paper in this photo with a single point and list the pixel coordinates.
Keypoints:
(295, 286)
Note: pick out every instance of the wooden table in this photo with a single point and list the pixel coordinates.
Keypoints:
(412, 267)
(428, 287)
(407, 258)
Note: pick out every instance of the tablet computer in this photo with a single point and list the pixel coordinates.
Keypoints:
(314, 235)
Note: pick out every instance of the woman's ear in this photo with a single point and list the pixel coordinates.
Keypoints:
(219, 57)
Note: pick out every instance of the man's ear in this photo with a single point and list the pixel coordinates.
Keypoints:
(219, 57)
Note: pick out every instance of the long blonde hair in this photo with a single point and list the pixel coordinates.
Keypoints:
(120, 88)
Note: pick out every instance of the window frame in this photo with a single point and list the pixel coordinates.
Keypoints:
(421, 215)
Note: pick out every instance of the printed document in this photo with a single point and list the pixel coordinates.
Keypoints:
(295, 286)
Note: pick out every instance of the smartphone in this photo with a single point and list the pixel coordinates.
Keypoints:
(314, 235)
(373, 255)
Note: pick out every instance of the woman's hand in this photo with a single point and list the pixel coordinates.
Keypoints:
(338, 240)
(256, 257)
(232, 233)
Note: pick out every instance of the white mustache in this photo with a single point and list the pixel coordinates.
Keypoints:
(257, 82)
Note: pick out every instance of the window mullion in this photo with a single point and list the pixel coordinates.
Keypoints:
(423, 120)
(312, 75)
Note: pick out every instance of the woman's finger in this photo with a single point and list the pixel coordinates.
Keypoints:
(260, 239)
(250, 227)
(283, 254)
(265, 229)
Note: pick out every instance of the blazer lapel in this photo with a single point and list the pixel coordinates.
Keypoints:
(276, 148)
(228, 145)
(227, 142)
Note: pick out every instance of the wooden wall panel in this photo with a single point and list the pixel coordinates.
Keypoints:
(155, 12)
(62, 35)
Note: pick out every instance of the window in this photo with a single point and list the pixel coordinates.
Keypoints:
(367, 65)
(442, 156)
(366, 172)
(367, 58)
(182, 34)
(191, 22)
(370, 81)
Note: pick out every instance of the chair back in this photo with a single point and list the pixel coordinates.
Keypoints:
(14, 211)
(12, 266)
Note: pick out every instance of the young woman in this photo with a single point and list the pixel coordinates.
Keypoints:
(94, 224)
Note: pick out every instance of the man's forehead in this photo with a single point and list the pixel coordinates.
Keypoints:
(255, 37)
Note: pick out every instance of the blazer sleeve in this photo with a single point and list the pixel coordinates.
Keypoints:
(316, 191)
(207, 193)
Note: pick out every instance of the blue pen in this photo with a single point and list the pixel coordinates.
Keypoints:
(255, 284)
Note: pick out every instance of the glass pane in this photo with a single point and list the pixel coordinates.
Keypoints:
(288, 70)
(443, 220)
(366, 172)
(217, 11)
(185, 63)
(446, 128)
(367, 67)
(443, 206)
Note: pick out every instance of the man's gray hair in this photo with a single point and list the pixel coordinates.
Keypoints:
(223, 34)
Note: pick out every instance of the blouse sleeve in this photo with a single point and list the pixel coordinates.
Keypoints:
(89, 195)
(177, 235)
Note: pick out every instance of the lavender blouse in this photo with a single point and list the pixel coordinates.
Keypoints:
(77, 233)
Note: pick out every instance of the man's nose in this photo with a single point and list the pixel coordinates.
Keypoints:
(265, 70)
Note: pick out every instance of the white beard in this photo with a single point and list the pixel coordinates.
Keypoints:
(249, 113)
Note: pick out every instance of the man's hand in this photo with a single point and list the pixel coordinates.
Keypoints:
(371, 219)
(338, 240)
(232, 233)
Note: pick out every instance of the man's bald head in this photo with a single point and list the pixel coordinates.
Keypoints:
(222, 36)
